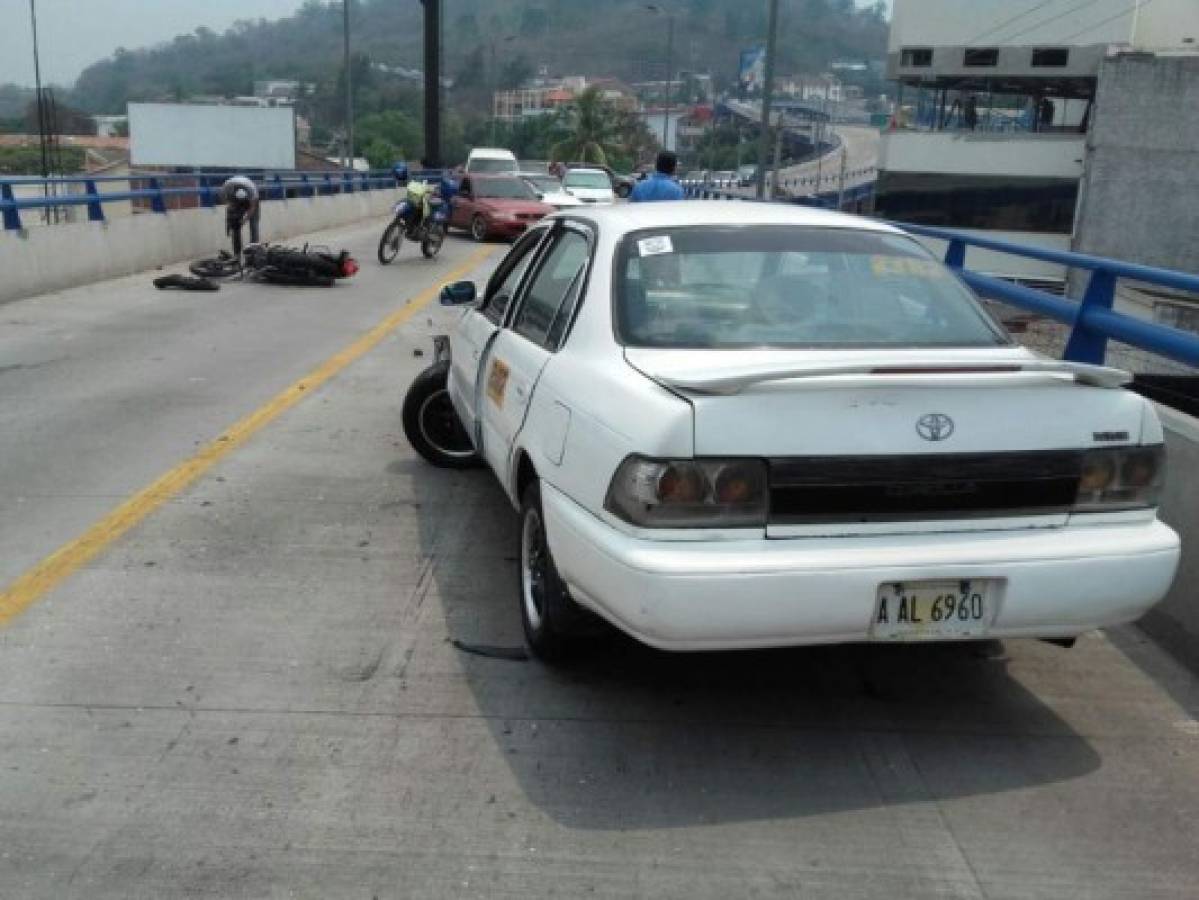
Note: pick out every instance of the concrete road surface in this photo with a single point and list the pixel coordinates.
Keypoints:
(250, 688)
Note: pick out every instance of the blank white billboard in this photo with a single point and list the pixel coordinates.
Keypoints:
(212, 136)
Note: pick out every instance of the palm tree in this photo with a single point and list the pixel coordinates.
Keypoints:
(590, 125)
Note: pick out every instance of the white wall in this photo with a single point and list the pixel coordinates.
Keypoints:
(976, 153)
(40, 260)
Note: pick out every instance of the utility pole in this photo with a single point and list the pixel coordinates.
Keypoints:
(666, 94)
(432, 158)
(669, 82)
(778, 158)
(348, 161)
(767, 91)
(41, 106)
(841, 181)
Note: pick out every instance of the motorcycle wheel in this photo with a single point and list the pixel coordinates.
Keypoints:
(431, 245)
(389, 244)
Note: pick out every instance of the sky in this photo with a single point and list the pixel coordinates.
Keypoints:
(73, 34)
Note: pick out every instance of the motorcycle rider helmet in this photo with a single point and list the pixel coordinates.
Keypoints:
(400, 171)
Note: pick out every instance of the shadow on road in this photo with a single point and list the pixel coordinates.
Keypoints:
(629, 737)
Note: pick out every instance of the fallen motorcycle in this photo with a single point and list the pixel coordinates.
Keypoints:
(276, 264)
(421, 217)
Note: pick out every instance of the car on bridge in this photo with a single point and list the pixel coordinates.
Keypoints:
(737, 425)
(490, 206)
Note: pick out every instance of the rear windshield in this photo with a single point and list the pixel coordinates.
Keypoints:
(787, 287)
(587, 180)
(492, 165)
(504, 188)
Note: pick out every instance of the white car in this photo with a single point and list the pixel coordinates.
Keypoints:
(491, 161)
(550, 190)
(589, 185)
(733, 425)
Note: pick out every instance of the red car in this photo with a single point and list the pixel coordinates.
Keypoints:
(496, 206)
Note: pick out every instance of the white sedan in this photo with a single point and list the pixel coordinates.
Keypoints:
(732, 425)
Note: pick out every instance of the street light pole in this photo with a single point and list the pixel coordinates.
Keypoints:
(348, 162)
(767, 88)
(669, 80)
(666, 94)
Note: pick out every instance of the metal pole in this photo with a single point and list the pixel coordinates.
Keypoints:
(841, 180)
(345, 10)
(767, 88)
(432, 83)
(669, 70)
(41, 109)
(494, 84)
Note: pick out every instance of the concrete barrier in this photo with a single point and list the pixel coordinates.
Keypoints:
(52, 258)
(1174, 623)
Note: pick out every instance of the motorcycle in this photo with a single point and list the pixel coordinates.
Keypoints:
(422, 217)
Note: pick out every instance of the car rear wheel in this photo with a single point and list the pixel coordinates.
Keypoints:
(431, 423)
(478, 228)
(553, 623)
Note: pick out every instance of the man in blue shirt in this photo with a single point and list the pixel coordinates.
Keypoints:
(660, 185)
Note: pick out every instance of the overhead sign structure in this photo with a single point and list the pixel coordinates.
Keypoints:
(198, 135)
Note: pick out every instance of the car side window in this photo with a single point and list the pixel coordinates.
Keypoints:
(550, 288)
(504, 285)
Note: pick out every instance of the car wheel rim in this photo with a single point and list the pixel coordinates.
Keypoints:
(479, 229)
(440, 427)
(534, 562)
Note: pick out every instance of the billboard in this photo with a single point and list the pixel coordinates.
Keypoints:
(198, 135)
(751, 75)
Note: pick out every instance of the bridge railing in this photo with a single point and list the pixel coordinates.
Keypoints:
(1092, 319)
(155, 189)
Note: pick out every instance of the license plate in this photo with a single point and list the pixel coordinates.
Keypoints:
(932, 610)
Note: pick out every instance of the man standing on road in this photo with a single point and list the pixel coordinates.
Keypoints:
(660, 185)
(241, 204)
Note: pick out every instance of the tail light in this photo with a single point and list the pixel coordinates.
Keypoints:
(689, 493)
(1121, 478)
(349, 267)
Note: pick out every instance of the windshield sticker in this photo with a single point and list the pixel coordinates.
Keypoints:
(884, 266)
(655, 246)
(497, 382)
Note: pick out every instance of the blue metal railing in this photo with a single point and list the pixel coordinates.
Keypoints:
(1092, 319)
(155, 188)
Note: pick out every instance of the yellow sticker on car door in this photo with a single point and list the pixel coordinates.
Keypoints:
(497, 382)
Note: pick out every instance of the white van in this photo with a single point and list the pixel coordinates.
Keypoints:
(491, 161)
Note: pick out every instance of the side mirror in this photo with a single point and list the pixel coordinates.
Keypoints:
(459, 293)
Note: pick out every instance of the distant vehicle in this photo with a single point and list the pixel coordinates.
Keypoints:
(491, 161)
(496, 206)
(725, 178)
(740, 425)
(589, 185)
(550, 190)
(534, 167)
(696, 176)
(622, 185)
(746, 175)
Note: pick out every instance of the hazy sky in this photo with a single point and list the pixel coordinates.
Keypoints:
(73, 34)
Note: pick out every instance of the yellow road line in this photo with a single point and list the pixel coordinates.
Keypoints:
(61, 564)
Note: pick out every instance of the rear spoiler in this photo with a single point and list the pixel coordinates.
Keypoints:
(727, 382)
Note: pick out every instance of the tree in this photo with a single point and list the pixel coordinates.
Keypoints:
(590, 130)
(390, 133)
(61, 119)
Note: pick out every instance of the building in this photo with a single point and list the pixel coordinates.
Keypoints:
(995, 113)
(547, 95)
(826, 87)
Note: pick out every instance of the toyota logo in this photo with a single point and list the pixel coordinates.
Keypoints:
(934, 427)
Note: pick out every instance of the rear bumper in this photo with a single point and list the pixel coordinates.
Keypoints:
(711, 595)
